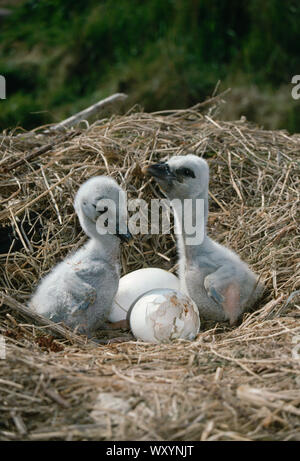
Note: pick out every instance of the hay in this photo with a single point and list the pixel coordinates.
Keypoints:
(238, 383)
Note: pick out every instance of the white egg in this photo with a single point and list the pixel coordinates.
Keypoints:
(163, 315)
(136, 283)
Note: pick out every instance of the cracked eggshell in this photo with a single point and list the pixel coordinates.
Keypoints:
(163, 315)
(135, 284)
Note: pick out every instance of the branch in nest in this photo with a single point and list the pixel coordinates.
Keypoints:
(56, 329)
(91, 111)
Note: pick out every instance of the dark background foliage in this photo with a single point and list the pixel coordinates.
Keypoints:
(59, 56)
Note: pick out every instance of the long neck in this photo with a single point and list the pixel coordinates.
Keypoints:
(106, 246)
(190, 223)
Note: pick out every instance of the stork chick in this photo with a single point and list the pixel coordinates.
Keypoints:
(222, 286)
(80, 290)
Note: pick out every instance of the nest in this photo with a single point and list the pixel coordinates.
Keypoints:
(239, 383)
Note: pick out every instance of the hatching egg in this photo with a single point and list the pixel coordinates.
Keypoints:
(163, 315)
(136, 283)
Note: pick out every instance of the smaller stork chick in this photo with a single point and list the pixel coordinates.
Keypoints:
(80, 290)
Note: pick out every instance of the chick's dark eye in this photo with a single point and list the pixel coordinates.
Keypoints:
(103, 211)
(189, 173)
(186, 172)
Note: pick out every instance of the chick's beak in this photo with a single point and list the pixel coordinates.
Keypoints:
(125, 237)
(160, 171)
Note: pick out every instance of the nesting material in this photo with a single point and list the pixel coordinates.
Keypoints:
(109, 405)
(110, 412)
(48, 393)
(162, 315)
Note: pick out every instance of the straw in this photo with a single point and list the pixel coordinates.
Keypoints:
(239, 383)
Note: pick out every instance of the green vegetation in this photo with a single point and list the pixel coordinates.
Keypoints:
(58, 56)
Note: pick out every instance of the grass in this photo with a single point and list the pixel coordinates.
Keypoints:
(59, 57)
